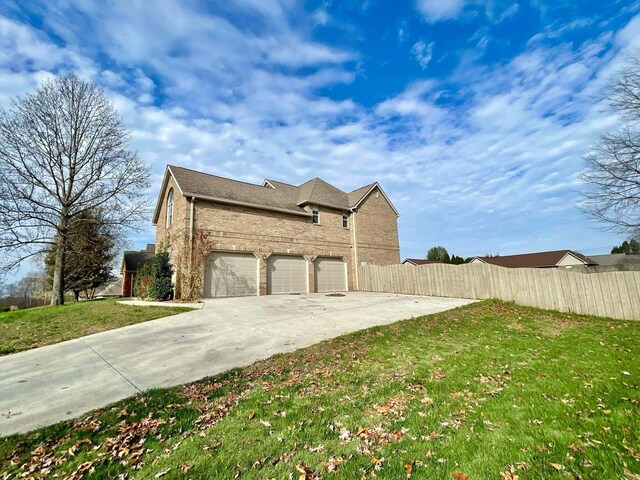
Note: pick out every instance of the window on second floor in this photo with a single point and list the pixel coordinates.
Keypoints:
(170, 208)
(315, 215)
(345, 221)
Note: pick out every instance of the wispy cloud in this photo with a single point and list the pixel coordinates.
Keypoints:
(422, 52)
(437, 10)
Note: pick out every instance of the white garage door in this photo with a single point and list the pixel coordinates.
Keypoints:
(286, 274)
(231, 275)
(331, 275)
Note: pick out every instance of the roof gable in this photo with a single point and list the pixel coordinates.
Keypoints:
(373, 187)
(420, 261)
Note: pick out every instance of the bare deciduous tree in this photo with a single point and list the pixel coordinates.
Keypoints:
(613, 166)
(63, 151)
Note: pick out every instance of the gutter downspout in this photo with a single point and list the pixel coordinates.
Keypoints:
(355, 250)
(193, 201)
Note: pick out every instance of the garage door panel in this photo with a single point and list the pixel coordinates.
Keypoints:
(286, 274)
(330, 275)
(231, 275)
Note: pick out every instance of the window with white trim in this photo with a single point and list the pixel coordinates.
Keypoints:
(345, 221)
(170, 208)
(315, 212)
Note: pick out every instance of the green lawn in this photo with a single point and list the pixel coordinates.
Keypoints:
(36, 327)
(486, 391)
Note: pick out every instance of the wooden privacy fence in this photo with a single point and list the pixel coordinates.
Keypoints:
(610, 294)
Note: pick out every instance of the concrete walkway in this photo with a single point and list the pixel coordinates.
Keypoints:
(49, 384)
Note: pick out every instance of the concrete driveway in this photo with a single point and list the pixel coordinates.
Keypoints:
(49, 384)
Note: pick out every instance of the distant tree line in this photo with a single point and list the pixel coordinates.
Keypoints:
(631, 247)
(440, 254)
(30, 291)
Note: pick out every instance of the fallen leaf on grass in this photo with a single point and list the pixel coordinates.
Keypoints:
(332, 464)
(318, 449)
(509, 475)
(459, 476)
(211, 447)
(377, 463)
(408, 468)
(307, 473)
(630, 475)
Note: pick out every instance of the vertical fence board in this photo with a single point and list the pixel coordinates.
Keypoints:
(634, 294)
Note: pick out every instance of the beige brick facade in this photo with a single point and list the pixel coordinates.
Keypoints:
(264, 232)
(376, 231)
(172, 236)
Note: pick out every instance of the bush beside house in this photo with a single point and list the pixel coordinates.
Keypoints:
(153, 280)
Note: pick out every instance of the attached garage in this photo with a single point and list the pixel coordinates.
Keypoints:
(330, 274)
(231, 274)
(286, 274)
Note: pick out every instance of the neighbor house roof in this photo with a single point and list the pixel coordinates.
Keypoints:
(271, 195)
(615, 259)
(535, 260)
(420, 261)
(113, 289)
(133, 259)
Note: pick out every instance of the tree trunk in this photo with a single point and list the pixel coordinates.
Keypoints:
(76, 295)
(57, 295)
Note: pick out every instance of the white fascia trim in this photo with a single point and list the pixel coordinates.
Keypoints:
(267, 183)
(326, 205)
(246, 204)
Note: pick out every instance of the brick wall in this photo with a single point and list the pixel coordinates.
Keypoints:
(237, 228)
(377, 231)
(173, 236)
(128, 280)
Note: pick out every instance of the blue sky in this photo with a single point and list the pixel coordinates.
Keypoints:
(473, 115)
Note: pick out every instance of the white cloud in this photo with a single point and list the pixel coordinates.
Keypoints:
(438, 10)
(508, 12)
(321, 16)
(422, 52)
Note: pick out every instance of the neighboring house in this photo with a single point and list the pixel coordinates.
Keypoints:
(552, 259)
(275, 237)
(113, 289)
(131, 261)
(615, 262)
(419, 261)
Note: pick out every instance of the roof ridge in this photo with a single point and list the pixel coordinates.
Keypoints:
(278, 181)
(531, 253)
(364, 186)
(216, 176)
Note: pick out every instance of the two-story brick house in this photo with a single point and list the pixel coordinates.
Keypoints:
(275, 237)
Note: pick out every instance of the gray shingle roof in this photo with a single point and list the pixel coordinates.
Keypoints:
(133, 260)
(318, 192)
(206, 185)
(282, 197)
